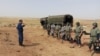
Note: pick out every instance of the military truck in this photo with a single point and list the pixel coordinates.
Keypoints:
(43, 22)
(57, 19)
(60, 19)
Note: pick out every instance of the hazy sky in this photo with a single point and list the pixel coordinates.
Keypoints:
(41, 8)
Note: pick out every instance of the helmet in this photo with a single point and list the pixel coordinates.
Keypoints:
(77, 23)
(95, 24)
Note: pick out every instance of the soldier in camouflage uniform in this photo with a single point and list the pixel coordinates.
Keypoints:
(94, 35)
(52, 29)
(57, 29)
(62, 33)
(78, 33)
(68, 31)
(48, 29)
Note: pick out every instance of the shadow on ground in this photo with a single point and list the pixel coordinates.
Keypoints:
(33, 44)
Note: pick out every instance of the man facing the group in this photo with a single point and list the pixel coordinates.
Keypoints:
(20, 32)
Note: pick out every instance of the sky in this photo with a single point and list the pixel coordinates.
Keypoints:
(42, 8)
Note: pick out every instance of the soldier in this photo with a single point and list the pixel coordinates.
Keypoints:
(94, 35)
(20, 32)
(78, 33)
(52, 29)
(62, 33)
(68, 31)
(57, 29)
(48, 29)
(44, 24)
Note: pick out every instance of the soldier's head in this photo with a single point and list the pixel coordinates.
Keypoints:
(95, 24)
(78, 23)
(20, 21)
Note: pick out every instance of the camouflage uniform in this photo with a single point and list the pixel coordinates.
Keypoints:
(68, 31)
(57, 29)
(52, 29)
(48, 29)
(62, 33)
(78, 33)
(93, 35)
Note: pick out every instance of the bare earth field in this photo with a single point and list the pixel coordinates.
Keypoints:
(37, 42)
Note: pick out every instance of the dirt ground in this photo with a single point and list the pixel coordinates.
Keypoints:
(37, 42)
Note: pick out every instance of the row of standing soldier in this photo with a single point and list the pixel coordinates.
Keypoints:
(64, 32)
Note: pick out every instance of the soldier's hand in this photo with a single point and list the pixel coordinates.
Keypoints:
(84, 32)
(23, 25)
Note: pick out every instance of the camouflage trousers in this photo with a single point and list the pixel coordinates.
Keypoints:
(62, 35)
(67, 36)
(57, 33)
(92, 41)
(52, 32)
(77, 40)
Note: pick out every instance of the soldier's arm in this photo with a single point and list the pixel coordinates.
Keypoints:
(86, 33)
(23, 25)
(81, 33)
